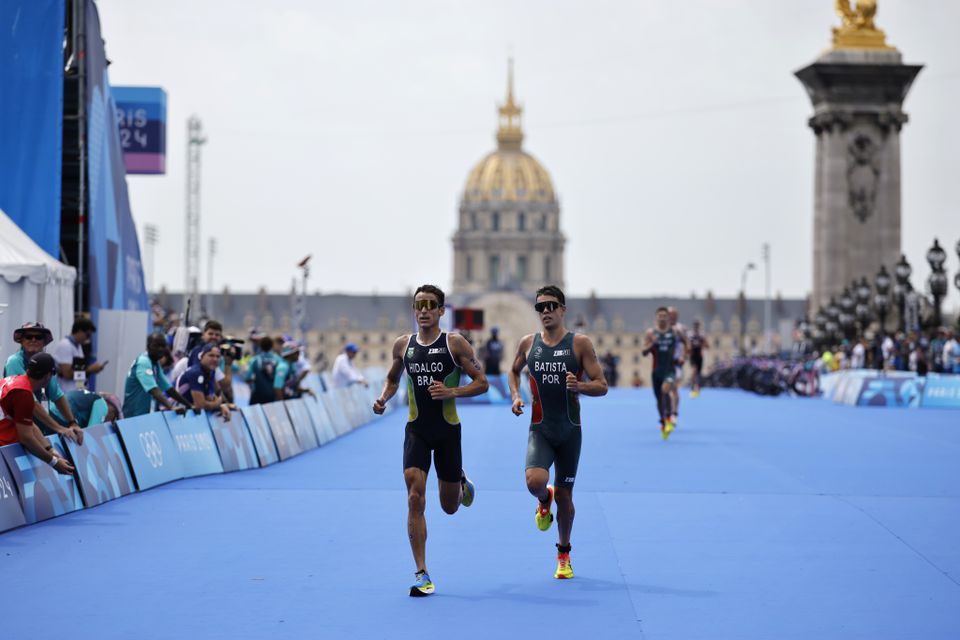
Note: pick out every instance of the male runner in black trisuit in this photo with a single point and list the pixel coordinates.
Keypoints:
(697, 343)
(555, 359)
(433, 361)
(680, 356)
(662, 342)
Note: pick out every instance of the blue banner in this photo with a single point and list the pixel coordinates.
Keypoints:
(942, 391)
(44, 493)
(11, 513)
(302, 423)
(891, 391)
(261, 434)
(283, 434)
(198, 452)
(113, 251)
(153, 456)
(142, 119)
(234, 443)
(101, 465)
(31, 117)
(321, 419)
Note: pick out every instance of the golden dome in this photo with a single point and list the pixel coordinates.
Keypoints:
(509, 173)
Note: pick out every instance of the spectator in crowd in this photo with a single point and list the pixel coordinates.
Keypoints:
(89, 408)
(262, 371)
(493, 353)
(918, 359)
(146, 381)
(278, 343)
(888, 350)
(17, 401)
(858, 355)
(344, 373)
(213, 334)
(609, 364)
(198, 383)
(636, 381)
(33, 337)
(936, 349)
(951, 353)
(286, 374)
(71, 359)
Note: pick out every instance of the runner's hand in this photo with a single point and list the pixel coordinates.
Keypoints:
(440, 391)
(517, 407)
(572, 383)
(379, 406)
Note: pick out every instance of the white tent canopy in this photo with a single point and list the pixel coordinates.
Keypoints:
(34, 286)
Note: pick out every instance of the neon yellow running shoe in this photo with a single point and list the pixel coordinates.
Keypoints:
(667, 429)
(564, 568)
(545, 516)
(468, 490)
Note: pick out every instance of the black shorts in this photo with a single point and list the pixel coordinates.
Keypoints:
(564, 455)
(443, 441)
(697, 362)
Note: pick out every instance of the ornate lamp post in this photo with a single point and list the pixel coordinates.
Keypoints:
(833, 321)
(846, 319)
(937, 281)
(881, 301)
(900, 290)
(820, 333)
(863, 304)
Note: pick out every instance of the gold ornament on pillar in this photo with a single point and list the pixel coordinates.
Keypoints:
(858, 30)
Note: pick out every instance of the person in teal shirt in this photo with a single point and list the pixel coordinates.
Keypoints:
(32, 338)
(146, 381)
(286, 382)
(88, 408)
(261, 373)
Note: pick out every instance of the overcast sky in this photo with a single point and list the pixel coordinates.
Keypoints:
(675, 133)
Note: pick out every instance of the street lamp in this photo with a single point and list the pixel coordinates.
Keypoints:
(882, 299)
(833, 321)
(743, 310)
(847, 305)
(937, 281)
(902, 272)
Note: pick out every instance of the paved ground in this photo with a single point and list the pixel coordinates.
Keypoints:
(760, 519)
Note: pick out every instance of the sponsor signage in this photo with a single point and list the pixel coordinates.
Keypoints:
(302, 423)
(11, 513)
(234, 443)
(321, 419)
(283, 433)
(941, 391)
(153, 456)
(194, 441)
(101, 465)
(261, 434)
(44, 493)
(142, 121)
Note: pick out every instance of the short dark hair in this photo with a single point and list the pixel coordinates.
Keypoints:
(213, 324)
(431, 288)
(664, 309)
(266, 343)
(156, 339)
(551, 290)
(83, 324)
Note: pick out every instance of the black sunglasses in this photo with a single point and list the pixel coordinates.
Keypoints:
(550, 305)
(430, 305)
(32, 336)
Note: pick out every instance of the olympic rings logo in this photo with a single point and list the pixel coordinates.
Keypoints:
(150, 444)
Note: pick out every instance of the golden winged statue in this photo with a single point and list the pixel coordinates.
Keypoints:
(858, 30)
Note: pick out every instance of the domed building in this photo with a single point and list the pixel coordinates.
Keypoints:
(509, 234)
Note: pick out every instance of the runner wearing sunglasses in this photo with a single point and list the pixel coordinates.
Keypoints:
(433, 361)
(556, 360)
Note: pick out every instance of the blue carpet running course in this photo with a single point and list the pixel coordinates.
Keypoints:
(760, 518)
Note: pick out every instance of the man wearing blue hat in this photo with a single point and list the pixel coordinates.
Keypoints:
(344, 373)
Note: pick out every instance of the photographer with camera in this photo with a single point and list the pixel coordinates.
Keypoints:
(72, 367)
(199, 383)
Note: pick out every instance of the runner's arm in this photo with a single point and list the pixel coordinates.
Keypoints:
(392, 382)
(647, 342)
(519, 362)
(587, 355)
(464, 356)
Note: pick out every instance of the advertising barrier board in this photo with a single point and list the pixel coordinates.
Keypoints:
(44, 493)
(302, 423)
(321, 419)
(11, 513)
(283, 434)
(101, 465)
(941, 391)
(890, 391)
(198, 452)
(153, 456)
(234, 442)
(334, 401)
(260, 433)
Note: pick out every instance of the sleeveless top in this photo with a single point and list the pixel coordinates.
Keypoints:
(556, 410)
(696, 346)
(665, 348)
(424, 364)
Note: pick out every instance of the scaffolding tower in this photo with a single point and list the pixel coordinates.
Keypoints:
(195, 140)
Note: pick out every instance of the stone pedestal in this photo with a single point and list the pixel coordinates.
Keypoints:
(857, 96)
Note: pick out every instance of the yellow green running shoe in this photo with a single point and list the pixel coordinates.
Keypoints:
(468, 490)
(545, 516)
(564, 568)
(423, 586)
